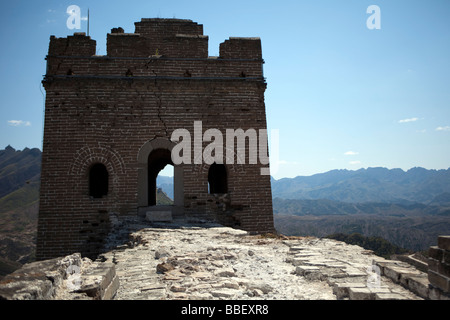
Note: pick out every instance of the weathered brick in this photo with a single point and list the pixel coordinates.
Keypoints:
(436, 253)
(444, 242)
(109, 109)
(439, 281)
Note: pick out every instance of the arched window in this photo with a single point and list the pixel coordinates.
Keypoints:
(217, 179)
(98, 181)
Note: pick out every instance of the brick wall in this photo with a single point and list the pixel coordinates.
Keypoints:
(104, 109)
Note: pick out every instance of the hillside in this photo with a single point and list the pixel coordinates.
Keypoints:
(412, 233)
(162, 198)
(19, 196)
(408, 208)
(166, 184)
(17, 168)
(381, 247)
(369, 185)
(325, 207)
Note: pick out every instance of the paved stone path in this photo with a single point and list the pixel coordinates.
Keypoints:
(213, 262)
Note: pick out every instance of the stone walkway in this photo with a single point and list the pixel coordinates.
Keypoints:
(211, 262)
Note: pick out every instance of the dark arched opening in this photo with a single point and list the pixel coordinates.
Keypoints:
(217, 179)
(98, 181)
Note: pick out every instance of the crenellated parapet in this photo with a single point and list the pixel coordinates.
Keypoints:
(77, 45)
(159, 48)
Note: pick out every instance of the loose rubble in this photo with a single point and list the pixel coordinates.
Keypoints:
(166, 262)
(66, 278)
(185, 261)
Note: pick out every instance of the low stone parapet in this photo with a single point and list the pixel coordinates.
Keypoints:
(66, 278)
(439, 269)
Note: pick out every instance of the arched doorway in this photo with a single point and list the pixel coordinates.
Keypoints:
(153, 157)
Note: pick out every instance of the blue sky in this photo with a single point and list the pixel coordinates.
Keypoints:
(341, 95)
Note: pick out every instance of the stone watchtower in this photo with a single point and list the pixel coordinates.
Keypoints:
(110, 124)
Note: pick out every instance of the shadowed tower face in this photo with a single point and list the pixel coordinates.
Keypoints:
(109, 125)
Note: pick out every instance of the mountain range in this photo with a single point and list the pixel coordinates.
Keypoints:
(19, 204)
(408, 208)
(417, 185)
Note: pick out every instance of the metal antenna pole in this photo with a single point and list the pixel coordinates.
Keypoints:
(88, 24)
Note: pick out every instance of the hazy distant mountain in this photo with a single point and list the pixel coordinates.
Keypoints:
(410, 209)
(162, 199)
(19, 198)
(166, 184)
(325, 207)
(369, 185)
(17, 168)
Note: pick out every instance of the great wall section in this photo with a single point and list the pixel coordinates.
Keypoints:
(107, 132)
(204, 261)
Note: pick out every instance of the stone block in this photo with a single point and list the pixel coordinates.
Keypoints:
(419, 285)
(389, 296)
(224, 272)
(153, 287)
(305, 253)
(353, 272)
(419, 264)
(341, 290)
(111, 290)
(295, 249)
(444, 269)
(436, 253)
(101, 283)
(304, 270)
(319, 262)
(299, 261)
(439, 281)
(396, 273)
(309, 272)
(446, 258)
(438, 294)
(230, 285)
(444, 242)
(261, 286)
(434, 293)
(361, 294)
(38, 280)
(433, 265)
(379, 289)
(224, 293)
(159, 216)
